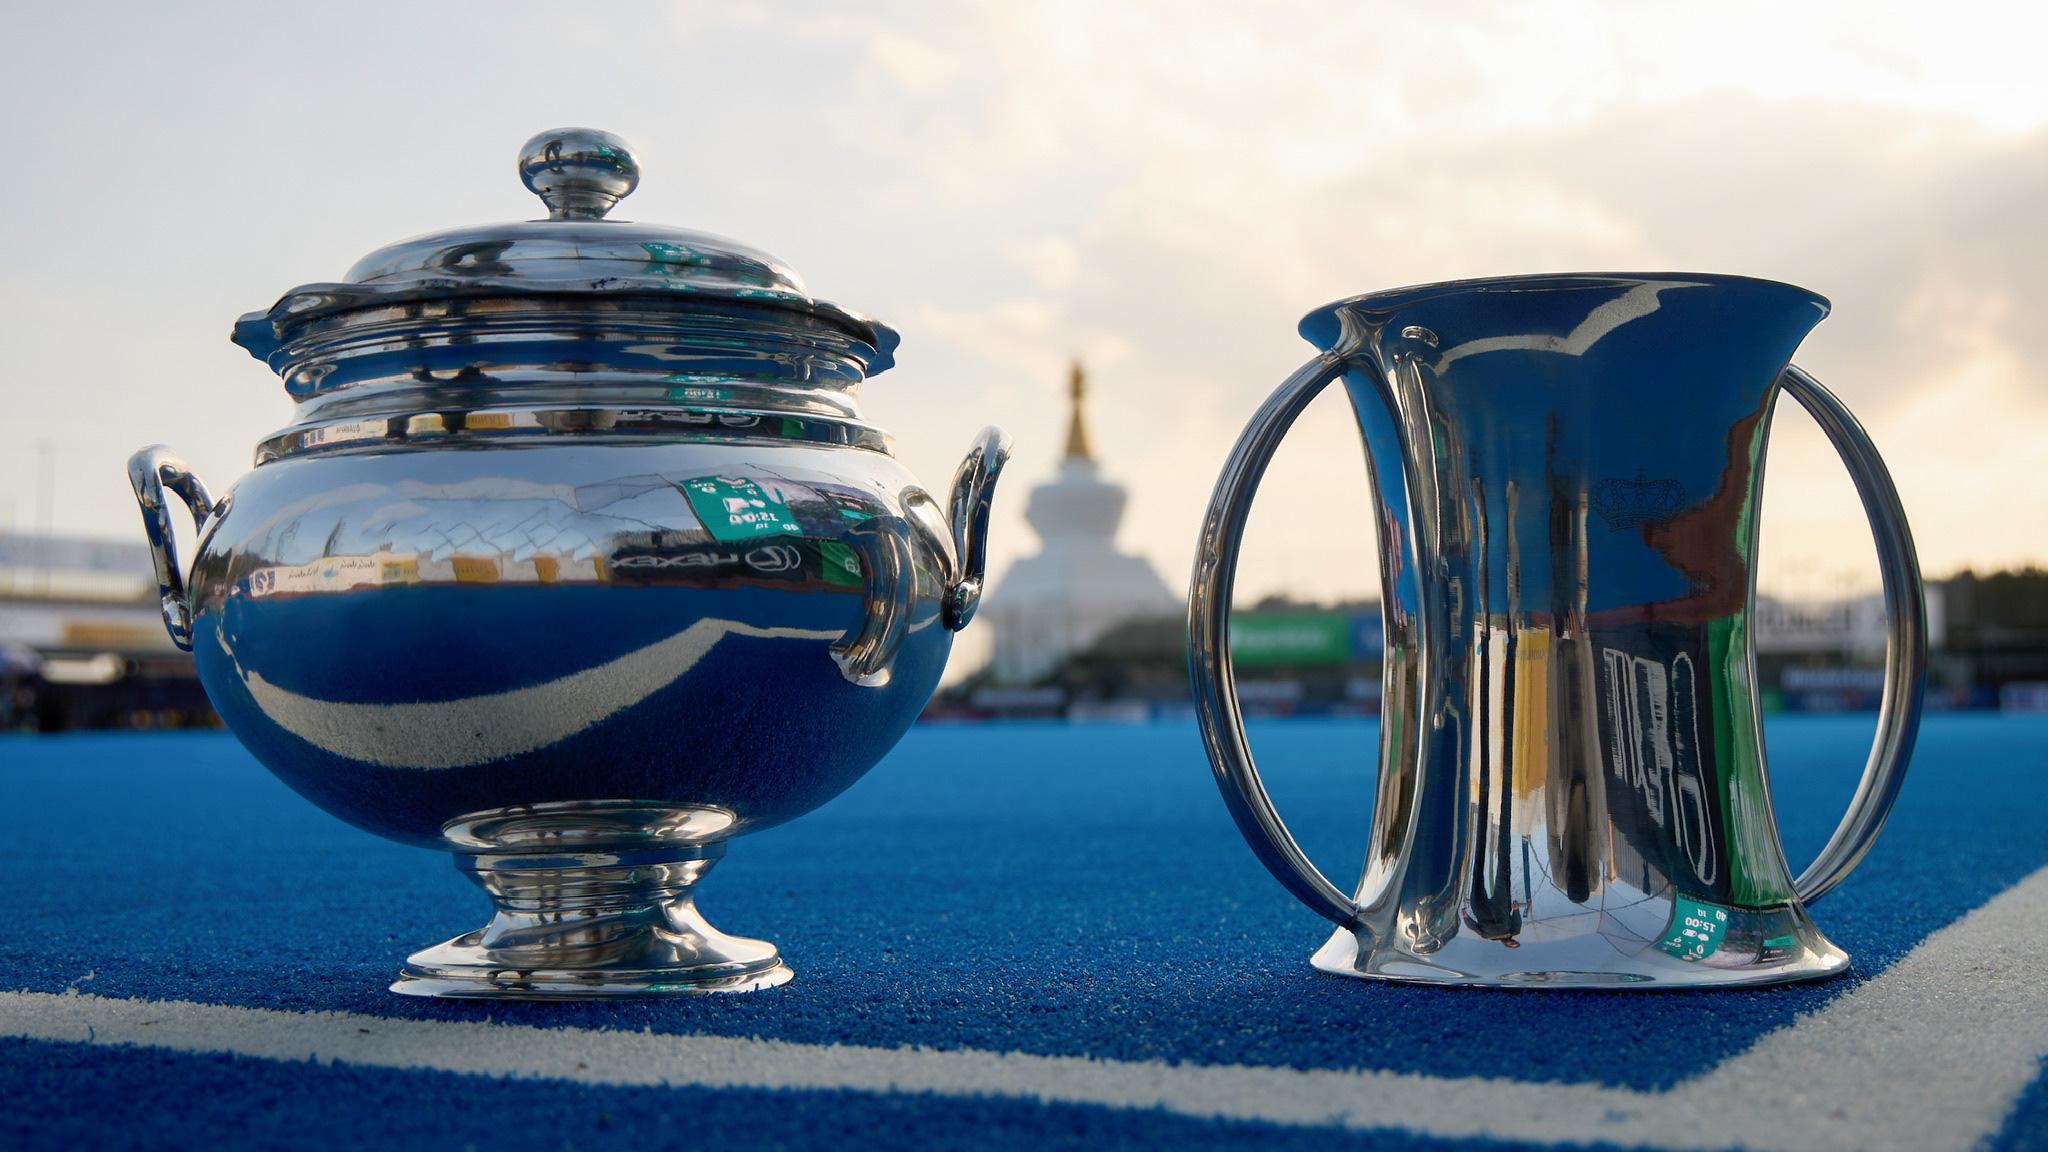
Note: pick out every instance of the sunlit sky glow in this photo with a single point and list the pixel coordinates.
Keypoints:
(1161, 188)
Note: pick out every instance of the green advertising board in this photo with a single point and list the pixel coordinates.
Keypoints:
(1274, 639)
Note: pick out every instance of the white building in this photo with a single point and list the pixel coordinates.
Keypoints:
(1078, 586)
(1852, 628)
(78, 611)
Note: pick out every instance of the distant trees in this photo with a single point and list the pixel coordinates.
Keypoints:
(1998, 609)
(1997, 626)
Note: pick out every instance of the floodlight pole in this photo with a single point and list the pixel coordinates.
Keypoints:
(46, 498)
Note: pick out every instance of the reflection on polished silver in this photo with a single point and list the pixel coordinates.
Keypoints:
(577, 560)
(974, 489)
(594, 899)
(1567, 476)
(579, 173)
(150, 471)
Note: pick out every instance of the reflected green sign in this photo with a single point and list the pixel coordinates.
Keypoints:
(735, 508)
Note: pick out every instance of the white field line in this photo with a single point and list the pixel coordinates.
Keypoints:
(1930, 1054)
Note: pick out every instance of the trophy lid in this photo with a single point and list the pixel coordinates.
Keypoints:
(580, 174)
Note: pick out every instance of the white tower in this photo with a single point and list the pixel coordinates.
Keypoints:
(1078, 586)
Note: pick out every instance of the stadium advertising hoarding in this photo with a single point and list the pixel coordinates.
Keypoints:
(1296, 639)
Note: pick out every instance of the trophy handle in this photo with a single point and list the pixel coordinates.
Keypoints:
(150, 471)
(888, 580)
(1209, 670)
(973, 493)
(1905, 661)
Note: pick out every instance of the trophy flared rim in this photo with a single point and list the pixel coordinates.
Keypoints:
(1389, 300)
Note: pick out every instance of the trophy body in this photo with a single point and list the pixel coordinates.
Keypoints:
(574, 575)
(1567, 476)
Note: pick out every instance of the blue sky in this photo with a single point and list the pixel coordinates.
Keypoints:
(1162, 188)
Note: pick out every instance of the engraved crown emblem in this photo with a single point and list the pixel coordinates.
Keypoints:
(1633, 503)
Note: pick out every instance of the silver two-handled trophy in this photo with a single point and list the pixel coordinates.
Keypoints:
(1566, 474)
(577, 561)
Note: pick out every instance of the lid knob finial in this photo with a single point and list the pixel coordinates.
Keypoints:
(579, 173)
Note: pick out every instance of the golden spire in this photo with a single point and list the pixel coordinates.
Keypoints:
(1077, 432)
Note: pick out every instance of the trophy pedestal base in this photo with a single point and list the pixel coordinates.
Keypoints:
(589, 927)
(1693, 945)
(655, 962)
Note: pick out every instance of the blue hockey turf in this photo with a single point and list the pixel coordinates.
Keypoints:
(1050, 890)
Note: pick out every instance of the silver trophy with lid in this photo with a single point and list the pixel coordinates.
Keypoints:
(577, 560)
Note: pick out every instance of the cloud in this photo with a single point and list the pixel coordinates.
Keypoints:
(913, 64)
(1050, 261)
(1163, 188)
(1203, 255)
